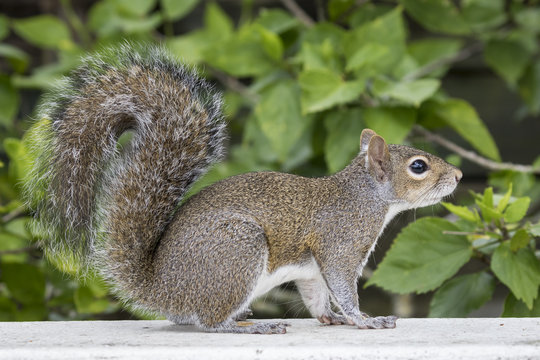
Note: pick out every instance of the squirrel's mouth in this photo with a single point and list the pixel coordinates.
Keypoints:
(435, 196)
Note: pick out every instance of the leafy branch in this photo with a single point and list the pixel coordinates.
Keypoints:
(427, 254)
(474, 157)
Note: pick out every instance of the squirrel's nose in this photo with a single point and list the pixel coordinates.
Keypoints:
(458, 175)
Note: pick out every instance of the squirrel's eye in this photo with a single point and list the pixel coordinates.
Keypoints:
(418, 166)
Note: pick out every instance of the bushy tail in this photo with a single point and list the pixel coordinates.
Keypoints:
(94, 201)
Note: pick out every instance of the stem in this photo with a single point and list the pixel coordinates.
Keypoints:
(76, 22)
(19, 251)
(246, 12)
(486, 244)
(474, 157)
(298, 12)
(14, 214)
(234, 85)
(464, 233)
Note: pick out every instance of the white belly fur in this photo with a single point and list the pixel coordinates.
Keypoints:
(267, 281)
(310, 270)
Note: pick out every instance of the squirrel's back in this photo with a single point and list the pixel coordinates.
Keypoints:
(96, 202)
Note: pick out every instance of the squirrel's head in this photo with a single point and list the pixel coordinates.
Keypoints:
(407, 175)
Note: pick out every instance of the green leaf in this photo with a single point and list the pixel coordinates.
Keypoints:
(517, 210)
(325, 31)
(103, 18)
(529, 19)
(422, 257)
(535, 229)
(461, 211)
(19, 59)
(520, 271)
(244, 53)
(344, 127)
(486, 206)
(461, 116)
(515, 308)
(323, 89)
(25, 282)
(431, 50)
(276, 20)
(411, 92)
(367, 12)
(482, 15)
(462, 294)
(383, 35)
(217, 22)
(32, 312)
(118, 17)
(437, 15)
(19, 227)
(392, 123)
(4, 26)
(279, 117)
(454, 159)
(190, 48)
(522, 183)
(508, 58)
(136, 8)
(86, 301)
(369, 55)
(9, 241)
(271, 43)
(529, 87)
(337, 8)
(19, 163)
(503, 202)
(175, 9)
(45, 31)
(519, 240)
(320, 56)
(9, 101)
(7, 309)
(144, 25)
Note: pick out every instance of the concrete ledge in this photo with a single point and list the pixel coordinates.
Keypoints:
(306, 339)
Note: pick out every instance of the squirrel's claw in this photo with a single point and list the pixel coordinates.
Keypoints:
(379, 322)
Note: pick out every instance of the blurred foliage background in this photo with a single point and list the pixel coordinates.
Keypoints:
(301, 79)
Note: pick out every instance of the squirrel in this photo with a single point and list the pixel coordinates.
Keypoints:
(203, 260)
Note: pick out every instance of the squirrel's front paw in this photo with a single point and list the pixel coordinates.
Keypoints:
(334, 319)
(379, 322)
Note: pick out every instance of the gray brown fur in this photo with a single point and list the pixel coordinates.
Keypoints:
(203, 262)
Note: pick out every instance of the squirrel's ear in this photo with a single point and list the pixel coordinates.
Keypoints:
(366, 135)
(379, 158)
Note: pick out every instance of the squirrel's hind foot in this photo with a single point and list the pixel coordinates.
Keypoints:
(248, 327)
(243, 315)
(379, 322)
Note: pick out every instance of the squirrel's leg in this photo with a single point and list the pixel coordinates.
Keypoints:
(317, 299)
(343, 287)
(248, 327)
(242, 316)
(240, 248)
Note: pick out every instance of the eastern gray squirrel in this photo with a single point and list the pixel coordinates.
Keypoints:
(204, 261)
